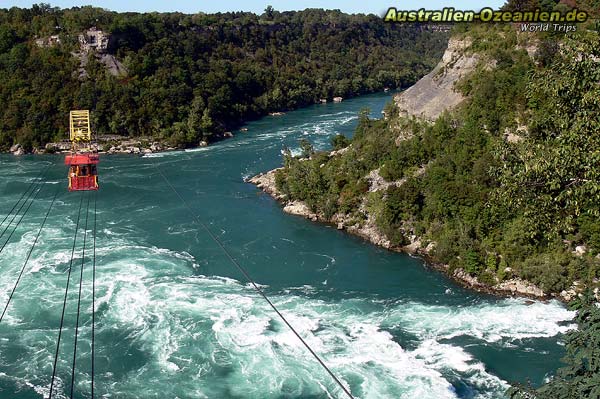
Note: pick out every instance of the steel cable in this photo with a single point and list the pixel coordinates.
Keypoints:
(62, 317)
(31, 185)
(251, 281)
(79, 296)
(94, 294)
(29, 255)
(20, 220)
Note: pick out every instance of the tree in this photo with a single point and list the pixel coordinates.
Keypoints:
(554, 176)
(206, 123)
(580, 378)
(269, 10)
(339, 141)
(307, 148)
(8, 38)
(194, 122)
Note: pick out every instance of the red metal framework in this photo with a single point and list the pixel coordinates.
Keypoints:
(83, 174)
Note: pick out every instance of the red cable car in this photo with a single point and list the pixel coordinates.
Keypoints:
(83, 174)
(82, 161)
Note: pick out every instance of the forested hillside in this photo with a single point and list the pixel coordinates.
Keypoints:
(191, 77)
(507, 185)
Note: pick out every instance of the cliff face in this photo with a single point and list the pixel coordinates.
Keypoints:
(435, 93)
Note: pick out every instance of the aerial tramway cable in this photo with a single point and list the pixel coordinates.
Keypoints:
(20, 220)
(31, 185)
(14, 216)
(79, 296)
(15, 205)
(62, 317)
(29, 255)
(254, 285)
(27, 194)
(94, 295)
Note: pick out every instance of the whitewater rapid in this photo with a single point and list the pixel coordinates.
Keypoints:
(202, 328)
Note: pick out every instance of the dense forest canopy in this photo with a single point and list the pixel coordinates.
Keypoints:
(191, 77)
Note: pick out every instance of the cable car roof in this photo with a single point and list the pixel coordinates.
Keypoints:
(81, 159)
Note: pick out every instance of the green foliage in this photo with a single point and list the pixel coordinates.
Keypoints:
(487, 277)
(555, 177)
(407, 154)
(491, 262)
(501, 273)
(307, 148)
(546, 51)
(403, 203)
(472, 263)
(496, 208)
(339, 141)
(546, 271)
(589, 229)
(193, 77)
(580, 378)
(199, 122)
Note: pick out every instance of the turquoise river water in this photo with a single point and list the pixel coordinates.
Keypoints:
(176, 320)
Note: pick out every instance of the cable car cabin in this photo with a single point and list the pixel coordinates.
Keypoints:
(83, 174)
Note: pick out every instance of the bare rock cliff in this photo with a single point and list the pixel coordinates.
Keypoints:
(434, 93)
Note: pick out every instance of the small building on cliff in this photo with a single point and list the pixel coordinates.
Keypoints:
(94, 39)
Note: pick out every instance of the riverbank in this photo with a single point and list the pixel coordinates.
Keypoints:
(368, 230)
(117, 144)
(108, 144)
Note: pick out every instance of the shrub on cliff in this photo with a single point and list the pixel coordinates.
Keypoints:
(580, 377)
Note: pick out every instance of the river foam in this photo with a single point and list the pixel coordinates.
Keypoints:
(264, 359)
(157, 320)
(204, 328)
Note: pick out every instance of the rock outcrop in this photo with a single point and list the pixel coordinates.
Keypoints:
(301, 209)
(266, 182)
(522, 287)
(114, 144)
(17, 149)
(378, 183)
(434, 93)
(113, 65)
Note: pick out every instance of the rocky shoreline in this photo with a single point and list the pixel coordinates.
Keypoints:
(110, 144)
(368, 231)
